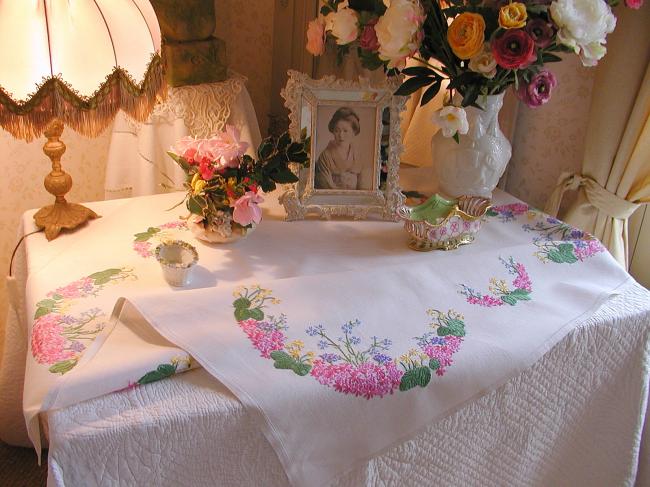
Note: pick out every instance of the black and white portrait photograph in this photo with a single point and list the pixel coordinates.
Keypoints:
(346, 148)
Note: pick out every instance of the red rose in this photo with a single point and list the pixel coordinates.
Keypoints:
(515, 49)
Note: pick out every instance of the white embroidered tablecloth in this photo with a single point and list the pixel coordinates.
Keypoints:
(70, 311)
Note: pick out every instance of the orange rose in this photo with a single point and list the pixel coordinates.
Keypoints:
(513, 16)
(466, 35)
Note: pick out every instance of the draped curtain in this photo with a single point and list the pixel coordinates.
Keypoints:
(615, 175)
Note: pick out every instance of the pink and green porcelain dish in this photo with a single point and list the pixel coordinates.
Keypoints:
(444, 224)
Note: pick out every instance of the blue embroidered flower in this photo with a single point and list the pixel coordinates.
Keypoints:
(314, 330)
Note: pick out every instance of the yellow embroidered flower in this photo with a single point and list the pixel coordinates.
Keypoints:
(513, 16)
(309, 357)
(275, 301)
(294, 348)
(498, 286)
(238, 292)
(466, 34)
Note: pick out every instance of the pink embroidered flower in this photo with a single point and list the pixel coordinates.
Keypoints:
(48, 343)
(246, 210)
(266, 341)
(486, 300)
(444, 353)
(174, 224)
(76, 289)
(587, 248)
(367, 379)
(143, 249)
(514, 208)
(523, 280)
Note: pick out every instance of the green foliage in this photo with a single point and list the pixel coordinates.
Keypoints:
(162, 371)
(63, 366)
(453, 327)
(104, 277)
(282, 360)
(419, 376)
(563, 253)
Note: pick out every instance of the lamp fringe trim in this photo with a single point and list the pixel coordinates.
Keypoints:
(88, 116)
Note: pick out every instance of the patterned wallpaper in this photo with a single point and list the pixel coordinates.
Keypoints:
(551, 139)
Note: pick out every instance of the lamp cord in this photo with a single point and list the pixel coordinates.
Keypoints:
(13, 254)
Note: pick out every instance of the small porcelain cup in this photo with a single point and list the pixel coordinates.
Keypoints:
(176, 259)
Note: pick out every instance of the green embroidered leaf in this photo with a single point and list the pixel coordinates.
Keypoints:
(409, 380)
(46, 303)
(256, 314)
(63, 366)
(161, 372)
(142, 237)
(242, 303)
(423, 375)
(42, 312)
(282, 360)
(434, 364)
(506, 298)
(153, 230)
(242, 314)
(491, 212)
(57, 297)
(454, 327)
(563, 254)
(104, 277)
(521, 294)
(300, 368)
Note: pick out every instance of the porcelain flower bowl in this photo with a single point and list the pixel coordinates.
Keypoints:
(440, 224)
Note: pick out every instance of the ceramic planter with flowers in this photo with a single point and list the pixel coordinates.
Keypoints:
(225, 185)
(474, 49)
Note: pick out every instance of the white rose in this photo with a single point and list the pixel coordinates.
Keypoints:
(452, 120)
(399, 31)
(484, 62)
(343, 24)
(583, 26)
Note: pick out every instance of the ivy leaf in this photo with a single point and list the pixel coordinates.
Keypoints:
(266, 149)
(162, 371)
(242, 314)
(63, 366)
(283, 142)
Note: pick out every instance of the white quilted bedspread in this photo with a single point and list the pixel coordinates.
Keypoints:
(576, 418)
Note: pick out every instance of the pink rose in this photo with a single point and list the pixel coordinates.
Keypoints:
(227, 148)
(368, 39)
(635, 4)
(246, 210)
(316, 36)
(187, 148)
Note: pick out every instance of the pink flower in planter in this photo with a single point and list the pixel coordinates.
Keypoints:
(48, 344)
(246, 210)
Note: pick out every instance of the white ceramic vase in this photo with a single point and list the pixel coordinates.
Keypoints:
(474, 166)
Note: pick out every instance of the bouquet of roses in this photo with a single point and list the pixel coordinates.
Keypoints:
(224, 183)
(474, 47)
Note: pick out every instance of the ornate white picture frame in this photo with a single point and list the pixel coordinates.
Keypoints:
(354, 129)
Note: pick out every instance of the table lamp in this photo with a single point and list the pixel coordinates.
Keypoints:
(74, 62)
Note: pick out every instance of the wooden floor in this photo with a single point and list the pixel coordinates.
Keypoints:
(18, 467)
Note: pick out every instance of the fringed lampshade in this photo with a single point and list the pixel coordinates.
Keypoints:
(75, 62)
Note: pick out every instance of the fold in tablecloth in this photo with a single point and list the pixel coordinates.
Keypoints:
(340, 366)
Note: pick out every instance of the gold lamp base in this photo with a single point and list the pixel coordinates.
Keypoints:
(61, 214)
(58, 216)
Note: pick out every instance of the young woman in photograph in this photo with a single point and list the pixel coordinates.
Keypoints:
(339, 165)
